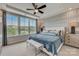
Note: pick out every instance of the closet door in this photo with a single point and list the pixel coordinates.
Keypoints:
(0, 29)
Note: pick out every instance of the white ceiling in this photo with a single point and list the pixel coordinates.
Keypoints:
(52, 9)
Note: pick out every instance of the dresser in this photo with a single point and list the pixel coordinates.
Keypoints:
(72, 39)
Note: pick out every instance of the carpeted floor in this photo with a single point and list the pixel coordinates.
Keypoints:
(21, 49)
(68, 51)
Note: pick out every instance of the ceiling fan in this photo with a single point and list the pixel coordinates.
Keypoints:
(36, 8)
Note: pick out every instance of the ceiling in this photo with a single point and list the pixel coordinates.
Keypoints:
(52, 9)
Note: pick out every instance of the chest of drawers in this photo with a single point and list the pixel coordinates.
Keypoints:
(72, 39)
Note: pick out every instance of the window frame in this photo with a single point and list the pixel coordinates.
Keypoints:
(35, 26)
(16, 22)
(18, 15)
(24, 25)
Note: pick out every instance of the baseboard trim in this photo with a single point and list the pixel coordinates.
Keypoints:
(16, 42)
(71, 46)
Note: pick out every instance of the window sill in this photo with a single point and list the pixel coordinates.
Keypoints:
(17, 35)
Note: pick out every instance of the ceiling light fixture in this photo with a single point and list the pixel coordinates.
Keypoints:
(36, 10)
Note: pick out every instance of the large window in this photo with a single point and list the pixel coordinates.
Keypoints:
(12, 24)
(32, 26)
(19, 25)
(23, 25)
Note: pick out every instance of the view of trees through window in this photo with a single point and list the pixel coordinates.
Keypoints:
(23, 25)
(32, 26)
(12, 25)
(13, 21)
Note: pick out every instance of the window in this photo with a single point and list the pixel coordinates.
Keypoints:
(12, 24)
(19, 25)
(32, 26)
(23, 25)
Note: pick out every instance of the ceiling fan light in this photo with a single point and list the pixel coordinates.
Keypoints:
(36, 10)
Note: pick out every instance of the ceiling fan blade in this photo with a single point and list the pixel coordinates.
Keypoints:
(34, 5)
(41, 11)
(43, 6)
(34, 13)
(29, 9)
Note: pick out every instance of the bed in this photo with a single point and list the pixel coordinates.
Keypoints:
(50, 40)
(49, 33)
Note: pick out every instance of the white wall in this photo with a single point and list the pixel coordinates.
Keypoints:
(58, 21)
(67, 19)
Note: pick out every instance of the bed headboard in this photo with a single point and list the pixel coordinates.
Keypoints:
(57, 29)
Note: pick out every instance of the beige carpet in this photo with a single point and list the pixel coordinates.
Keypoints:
(21, 49)
(68, 51)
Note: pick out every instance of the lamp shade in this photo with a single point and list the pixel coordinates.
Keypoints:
(40, 23)
(72, 23)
